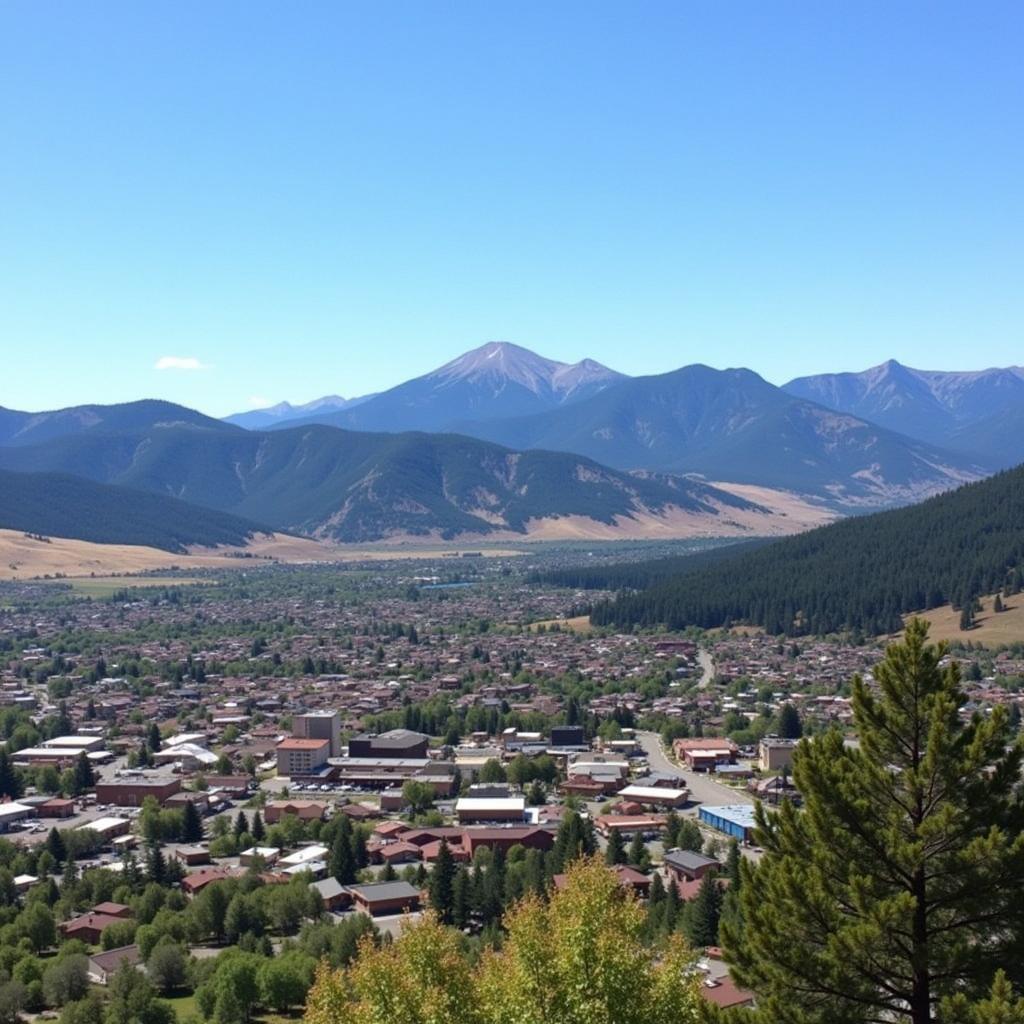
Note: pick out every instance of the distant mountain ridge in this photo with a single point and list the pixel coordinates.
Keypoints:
(733, 425)
(285, 412)
(930, 405)
(28, 428)
(494, 381)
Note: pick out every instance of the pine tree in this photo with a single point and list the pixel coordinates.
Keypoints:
(638, 856)
(442, 881)
(191, 824)
(10, 780)
(732, 867)
(689, 836)
(997, 604)
(700, 915)
(241, 824)
(967, 615)
(153, 738)
(343, 865)
(156, 866)
(84, 776)
(899, 882)
(55, 844)
(790, 726)
(461, 898)
(388, 874)
(615, 853)
(257, 829)
(672, 824)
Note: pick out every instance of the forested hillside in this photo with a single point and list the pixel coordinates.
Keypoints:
(858, 574)
(56, 505)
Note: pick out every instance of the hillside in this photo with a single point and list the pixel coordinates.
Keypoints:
(358, 487)
(57, 505)
(858, 574)
(929, 405)
(733, 425)
(29, 428)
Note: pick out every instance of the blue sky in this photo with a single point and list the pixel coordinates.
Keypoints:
(333, 197)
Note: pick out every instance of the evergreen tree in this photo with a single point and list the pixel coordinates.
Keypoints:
(672, 823)
(790, 726)
(153, 737)
(10, 780)
(461, 898)
(55, 844)
(442, 881)
(191, 824)
(700, 915)
(638, 856)
(997, 604)
(967, 615)
(899, 883)
(615, 852)
(343, 865)
(732, 867)
(388, 874)
(156, 866)
(689, 836)
(241, 824)
(257, 829)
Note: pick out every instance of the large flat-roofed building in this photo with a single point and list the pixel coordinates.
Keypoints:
(319, 725)
(479, 809)
(398, 743)
(297, 756)
(108, 828)
(655, 796)
(736, 820)
(132, 793)
(13, 812)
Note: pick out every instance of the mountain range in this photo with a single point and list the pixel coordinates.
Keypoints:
(503, 441)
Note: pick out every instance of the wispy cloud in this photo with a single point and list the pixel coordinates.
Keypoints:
(179, 363)
(259, 402)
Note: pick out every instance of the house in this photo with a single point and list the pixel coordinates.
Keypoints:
(199, 880)
(113, 909)
(629, 878)
(103, 966)
(334, 895)
(304, 810)
(88, 927)
(385, 897)
(685, 864)
(725, 993)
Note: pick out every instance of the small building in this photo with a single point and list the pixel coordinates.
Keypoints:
(304, 810)
(197, 881)
(103, 966)
(378, 898)
(259, 855)
(736, 820)
(113, 909)
(306, 858)
(334, 895)
(482, 809)
(689, 866)
(655, 796)
(192, 855)
(22, 883)
(391, 799)
(56, 807)
(13, 812)
(108, 828)
(88, 927)
(702, 754)
(775, 753)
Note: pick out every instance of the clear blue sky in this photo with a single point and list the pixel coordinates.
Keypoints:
(332, 197)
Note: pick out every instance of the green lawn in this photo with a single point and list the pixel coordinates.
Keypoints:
(184, 1006)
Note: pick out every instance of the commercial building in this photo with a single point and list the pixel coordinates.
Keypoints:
(736, 820)
(701, 755)
(568, 736)
(108, 828)
(301, 756)
(685, 865)
(470, 809)
(304, 810)
(775, 753)
(398, 743)
(655, 796)
(124, 793)
(13, 813)
(319, 725)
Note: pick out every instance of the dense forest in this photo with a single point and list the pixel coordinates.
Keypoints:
(56, 505)
(859, 574)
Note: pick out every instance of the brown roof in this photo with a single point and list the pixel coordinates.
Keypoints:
(727, 993)
(109, 960)
(296, 743)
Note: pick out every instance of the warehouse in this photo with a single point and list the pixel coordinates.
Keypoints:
(736, 820)
(655, 796)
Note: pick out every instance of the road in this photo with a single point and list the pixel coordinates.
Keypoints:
(707, 668)
(703, 788)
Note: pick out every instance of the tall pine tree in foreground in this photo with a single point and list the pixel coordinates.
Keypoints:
(898, 886)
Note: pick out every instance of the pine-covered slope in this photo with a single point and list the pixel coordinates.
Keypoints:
(59, 505)
(357, 486)
(863, 573)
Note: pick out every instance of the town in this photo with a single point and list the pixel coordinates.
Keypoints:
(284, 760)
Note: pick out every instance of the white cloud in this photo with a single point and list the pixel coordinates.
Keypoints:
(179, 363)
(259, 402)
